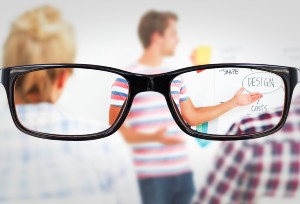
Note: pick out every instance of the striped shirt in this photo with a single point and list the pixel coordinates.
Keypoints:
(149, 113)
(246, 172)
(34, 170)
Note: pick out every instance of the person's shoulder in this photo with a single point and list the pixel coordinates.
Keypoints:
(56, 114)
(134, 67)
(289, 131)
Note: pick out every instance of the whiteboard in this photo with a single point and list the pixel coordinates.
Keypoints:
(213, 87)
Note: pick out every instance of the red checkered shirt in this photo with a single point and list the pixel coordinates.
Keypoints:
(245, 171)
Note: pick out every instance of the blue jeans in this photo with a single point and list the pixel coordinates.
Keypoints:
(177, 189)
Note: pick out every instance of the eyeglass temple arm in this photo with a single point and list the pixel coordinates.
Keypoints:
(0, 76)
(298, 75)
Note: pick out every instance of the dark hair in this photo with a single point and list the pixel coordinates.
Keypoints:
(151, 22)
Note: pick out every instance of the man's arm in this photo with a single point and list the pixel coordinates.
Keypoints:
(132, 136)
(198, 115)
(195, 116)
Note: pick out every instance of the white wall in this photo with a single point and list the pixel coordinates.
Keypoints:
(106, 30)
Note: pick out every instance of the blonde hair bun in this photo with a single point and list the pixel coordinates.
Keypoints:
(41, 23)
(40, 36)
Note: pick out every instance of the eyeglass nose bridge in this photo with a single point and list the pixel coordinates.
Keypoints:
(158, 83)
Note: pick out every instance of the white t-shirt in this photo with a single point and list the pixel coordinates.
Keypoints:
(34, 170)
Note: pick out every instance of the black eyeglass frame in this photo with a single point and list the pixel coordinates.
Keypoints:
(160, 83)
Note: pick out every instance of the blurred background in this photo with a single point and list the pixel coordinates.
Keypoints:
(253, 31)
(248, 31)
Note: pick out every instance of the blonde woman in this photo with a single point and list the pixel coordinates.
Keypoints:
(36, 169)
(38, 37)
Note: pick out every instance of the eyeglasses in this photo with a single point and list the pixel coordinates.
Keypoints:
(205, 101)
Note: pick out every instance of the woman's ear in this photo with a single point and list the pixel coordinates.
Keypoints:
(61, 80)
(59, 85)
